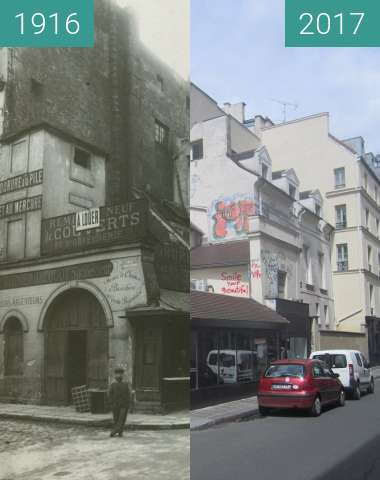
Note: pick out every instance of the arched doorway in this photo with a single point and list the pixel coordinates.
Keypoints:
(13, 347)
(76, 345)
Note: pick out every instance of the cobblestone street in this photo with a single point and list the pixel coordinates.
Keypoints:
(43, 451)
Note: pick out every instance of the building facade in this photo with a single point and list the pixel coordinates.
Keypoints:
(93, 225)
(264, 239)
(348, 181)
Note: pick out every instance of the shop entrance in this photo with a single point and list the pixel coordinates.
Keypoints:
(76, 345)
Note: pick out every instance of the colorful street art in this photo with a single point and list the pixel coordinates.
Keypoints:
(229, 216)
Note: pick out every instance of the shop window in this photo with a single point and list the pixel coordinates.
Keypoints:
(13, 347)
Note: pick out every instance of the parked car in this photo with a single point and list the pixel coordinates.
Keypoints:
(302, 384)
(353, 368)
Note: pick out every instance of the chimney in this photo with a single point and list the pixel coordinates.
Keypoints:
(236, 110)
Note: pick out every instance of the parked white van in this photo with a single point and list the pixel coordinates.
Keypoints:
(234, 365)
(353, 369)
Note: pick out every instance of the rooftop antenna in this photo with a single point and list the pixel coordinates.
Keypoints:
(285, 106)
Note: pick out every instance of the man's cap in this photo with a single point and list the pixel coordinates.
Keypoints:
(119, 370)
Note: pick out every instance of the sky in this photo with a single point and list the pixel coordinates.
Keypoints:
(238, 54)
(164, 28)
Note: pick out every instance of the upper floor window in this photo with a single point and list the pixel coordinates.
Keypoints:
(13, 347)
(82, 158)
(365, 181)
(19, 156)
(317, 314)
(367, 218)
(161, 134)
(197, 150)
(376, 194)
(264, 171)
(340, 216)
(327, 319)
(340, 177)
(342, 257)
(321, 259)
(307, 264)
(160, 82)
(281, 284)
(377, 227)
(16, 239)
(369, 258)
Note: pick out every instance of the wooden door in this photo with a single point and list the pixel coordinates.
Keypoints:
(148, 357)
(97, 370)
(56, 391)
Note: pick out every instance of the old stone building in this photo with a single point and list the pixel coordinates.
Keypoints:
(93, 219)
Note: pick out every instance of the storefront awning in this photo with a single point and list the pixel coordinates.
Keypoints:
(209, 308)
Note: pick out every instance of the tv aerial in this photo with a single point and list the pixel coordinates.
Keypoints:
(285, 106)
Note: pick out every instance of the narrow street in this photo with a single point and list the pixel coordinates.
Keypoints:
(343, 443)
(43, 451)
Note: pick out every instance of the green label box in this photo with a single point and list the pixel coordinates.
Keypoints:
(332, 23)
(47, 23)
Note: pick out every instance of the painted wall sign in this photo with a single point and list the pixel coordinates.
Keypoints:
(229, 216)
(233, 284)
(25, 180)
(87, 219)
(21, 206)
(20, 301)
(118, 224)
(56, 275)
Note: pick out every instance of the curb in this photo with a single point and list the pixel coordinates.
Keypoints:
(93, 423)
(230, 418)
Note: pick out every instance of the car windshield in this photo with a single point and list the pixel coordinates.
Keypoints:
(337, 360)
(285, 370)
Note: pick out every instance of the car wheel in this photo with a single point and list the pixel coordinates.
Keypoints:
(316, 409)
(357, 392)
(371, 387)
(263, 411)
(342, 398)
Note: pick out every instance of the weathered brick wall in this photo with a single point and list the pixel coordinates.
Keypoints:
(108, 97)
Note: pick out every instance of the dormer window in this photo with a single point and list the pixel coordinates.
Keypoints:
(292, 191)
(318, 210)
(264, 171)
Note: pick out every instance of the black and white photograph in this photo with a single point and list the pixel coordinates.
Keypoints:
(94, 251)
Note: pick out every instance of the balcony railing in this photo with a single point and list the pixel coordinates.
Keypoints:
(340, 225)
(323, 291)
(342, 266)
(309, 287)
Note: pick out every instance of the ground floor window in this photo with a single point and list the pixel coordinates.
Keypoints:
(13, 347)
(229, 356)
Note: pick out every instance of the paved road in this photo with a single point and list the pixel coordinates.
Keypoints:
(343, 443)
(41, 451)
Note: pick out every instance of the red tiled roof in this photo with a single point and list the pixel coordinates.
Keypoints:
(229, 253)
(206, 305)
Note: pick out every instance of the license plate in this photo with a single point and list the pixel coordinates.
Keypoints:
(281, 387)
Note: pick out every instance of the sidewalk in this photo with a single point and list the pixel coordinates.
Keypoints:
(231, 411)
(68, 415)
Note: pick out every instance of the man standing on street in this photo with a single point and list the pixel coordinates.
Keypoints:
(119, 396)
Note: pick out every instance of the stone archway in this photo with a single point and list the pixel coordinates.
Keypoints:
(76, 345)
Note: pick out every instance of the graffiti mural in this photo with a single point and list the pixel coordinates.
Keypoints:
(234, 284)
(229, 216)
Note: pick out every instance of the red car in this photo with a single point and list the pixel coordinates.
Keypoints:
(303, 384)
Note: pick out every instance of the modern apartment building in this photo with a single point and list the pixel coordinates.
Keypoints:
(348, 180)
